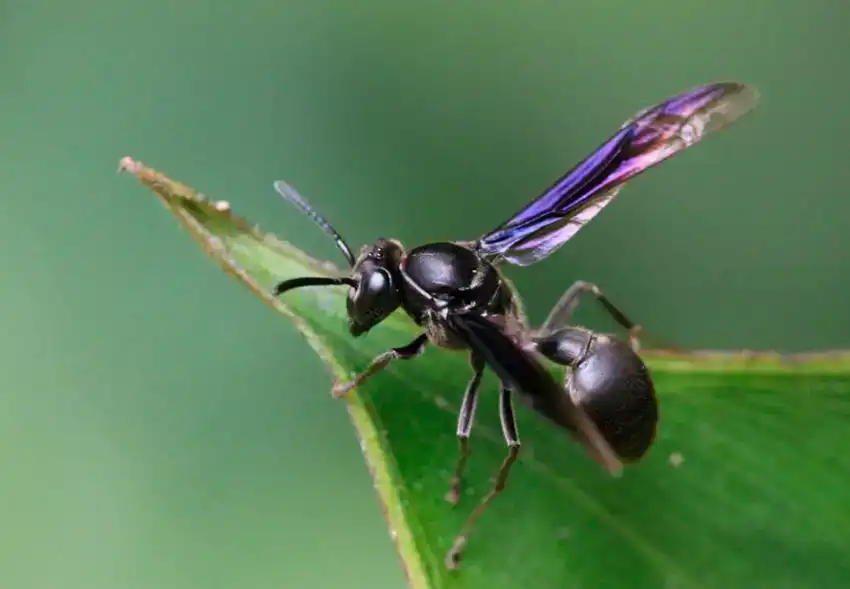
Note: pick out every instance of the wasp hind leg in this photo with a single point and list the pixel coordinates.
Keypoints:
(563, 310)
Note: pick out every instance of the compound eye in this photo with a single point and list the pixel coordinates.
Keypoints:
(372, 301)
(375, 282)
(369, 298)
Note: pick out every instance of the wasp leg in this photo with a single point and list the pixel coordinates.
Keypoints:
(509, 430)
(560, 315)
(411, 350)
(465, 420)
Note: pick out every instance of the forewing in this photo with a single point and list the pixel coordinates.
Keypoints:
(526, 376)
(645, 140)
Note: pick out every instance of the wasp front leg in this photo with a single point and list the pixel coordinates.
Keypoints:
(379, 363)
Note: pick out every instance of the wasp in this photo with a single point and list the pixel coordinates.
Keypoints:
(455, 292)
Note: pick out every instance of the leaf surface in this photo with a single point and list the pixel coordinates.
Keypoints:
(746, 486)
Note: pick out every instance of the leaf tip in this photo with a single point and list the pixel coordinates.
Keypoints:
(128, 164)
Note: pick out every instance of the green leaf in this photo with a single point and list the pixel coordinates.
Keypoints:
(746, 486)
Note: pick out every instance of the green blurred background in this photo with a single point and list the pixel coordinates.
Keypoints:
(150, 435)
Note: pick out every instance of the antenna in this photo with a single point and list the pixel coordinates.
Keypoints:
(291, 195)
(303, 281)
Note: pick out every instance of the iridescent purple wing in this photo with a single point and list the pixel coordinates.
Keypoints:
(647, 139)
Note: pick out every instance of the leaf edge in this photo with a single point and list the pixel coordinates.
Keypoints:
(369, 438)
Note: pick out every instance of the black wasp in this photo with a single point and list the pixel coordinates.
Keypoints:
(456, 294)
